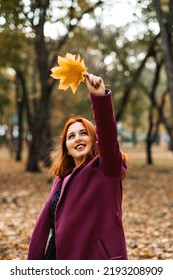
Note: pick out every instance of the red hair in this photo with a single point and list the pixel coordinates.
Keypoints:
(64, 163)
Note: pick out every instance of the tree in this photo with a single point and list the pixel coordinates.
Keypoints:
(164, 13)
(34, 16)
(153, 128)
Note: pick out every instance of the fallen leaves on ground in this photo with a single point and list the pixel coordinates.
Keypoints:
(147, 209)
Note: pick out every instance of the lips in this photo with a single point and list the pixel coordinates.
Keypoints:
(80, 146)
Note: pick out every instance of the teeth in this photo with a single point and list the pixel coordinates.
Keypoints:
(80, 146)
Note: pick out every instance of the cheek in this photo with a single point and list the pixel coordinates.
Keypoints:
(67, 145)
(68, 148)
(90, 143)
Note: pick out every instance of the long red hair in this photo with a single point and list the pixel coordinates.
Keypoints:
(63, 162)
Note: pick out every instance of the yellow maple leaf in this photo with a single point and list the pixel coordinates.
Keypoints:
(70, 72)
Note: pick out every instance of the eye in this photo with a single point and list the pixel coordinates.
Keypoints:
(84, 133)
(71, 136)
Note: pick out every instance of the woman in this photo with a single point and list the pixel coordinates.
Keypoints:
(82, 217)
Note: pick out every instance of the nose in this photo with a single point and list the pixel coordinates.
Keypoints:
(77, 137)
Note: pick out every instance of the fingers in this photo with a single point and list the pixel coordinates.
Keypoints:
(95, 84)
(94, 81)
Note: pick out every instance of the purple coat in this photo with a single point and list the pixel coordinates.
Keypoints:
(88, 220)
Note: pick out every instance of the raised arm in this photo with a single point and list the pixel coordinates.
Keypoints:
(106, 128)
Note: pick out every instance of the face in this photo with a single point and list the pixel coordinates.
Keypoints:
(78, 142)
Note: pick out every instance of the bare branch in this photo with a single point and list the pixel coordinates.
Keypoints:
(136, 78)
(70, 29)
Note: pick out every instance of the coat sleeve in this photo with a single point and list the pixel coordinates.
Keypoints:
(106, 130)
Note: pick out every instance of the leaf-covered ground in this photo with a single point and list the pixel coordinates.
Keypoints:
(147, 206)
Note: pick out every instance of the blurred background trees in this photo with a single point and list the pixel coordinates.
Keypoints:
(134, 58)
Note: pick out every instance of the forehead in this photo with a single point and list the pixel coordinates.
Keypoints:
(77, 126)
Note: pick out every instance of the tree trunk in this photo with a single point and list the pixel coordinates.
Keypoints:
(34, 152)
(149, 140)
(171, 144)
(39, 126)
(20, 105)
(152, 135)
(149, 153)
(163, 119)
(166, 28)
(135, 79)
(47, 145)
(38, 130)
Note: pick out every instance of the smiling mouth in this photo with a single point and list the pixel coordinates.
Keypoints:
(80, 146)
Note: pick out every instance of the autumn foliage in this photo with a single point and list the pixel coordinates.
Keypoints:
(147, 208)
(71, 72)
